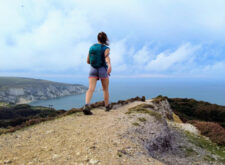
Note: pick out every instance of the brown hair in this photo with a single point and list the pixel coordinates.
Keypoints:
(102, 38)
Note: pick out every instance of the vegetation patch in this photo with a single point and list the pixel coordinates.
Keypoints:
(142, 119)
(208, 118)
(144, 108)
(190, 109)
(15, 117)
(121, 152)
(159, 98)
(209, 158)
(189, 151)
(73, 110)
(157, 115)
(176, 118)
(136, 124)
(3, 104)
(204, 143)
(214, 131)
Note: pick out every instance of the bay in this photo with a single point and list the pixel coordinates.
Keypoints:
(121, 89)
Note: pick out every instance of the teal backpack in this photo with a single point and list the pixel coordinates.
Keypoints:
(96, 55)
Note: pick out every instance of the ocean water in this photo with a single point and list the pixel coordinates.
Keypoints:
(121, 89)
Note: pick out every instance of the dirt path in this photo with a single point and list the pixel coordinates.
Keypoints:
(76, 139)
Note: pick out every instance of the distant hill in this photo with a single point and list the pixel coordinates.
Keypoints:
(25, 90)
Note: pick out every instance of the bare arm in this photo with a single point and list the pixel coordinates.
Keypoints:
(88, 60)
(107, 59)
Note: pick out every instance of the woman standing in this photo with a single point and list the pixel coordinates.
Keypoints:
(99, 61)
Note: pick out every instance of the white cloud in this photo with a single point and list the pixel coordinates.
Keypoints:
(58, 43)
(167, 60)
(53, 36)
(118, 54)
(211, 70)
(142, 56)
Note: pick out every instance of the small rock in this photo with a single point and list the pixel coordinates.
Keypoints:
(55, 156)
(78, 153)
(7, 161)
(92, 161)
(49, 131)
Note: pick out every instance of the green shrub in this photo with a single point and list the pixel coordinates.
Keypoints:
(136, 124)
(190, 109)
(16, 115)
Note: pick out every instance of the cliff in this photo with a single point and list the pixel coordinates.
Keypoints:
(25, 90)
(134, 132)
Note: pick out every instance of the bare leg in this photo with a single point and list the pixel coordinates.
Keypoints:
(91, 89)
(105, 86)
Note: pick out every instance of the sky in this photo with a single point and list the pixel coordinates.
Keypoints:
(50, 39)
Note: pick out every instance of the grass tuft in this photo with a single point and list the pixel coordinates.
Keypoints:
(189, 151)
(142, 119)
(136, 124)
(158, 99)
(209, 158)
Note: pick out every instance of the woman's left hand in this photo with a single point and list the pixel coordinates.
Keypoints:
(109, 70)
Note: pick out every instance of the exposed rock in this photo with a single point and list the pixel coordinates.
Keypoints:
(93, 161)
(164, 108)
(154, 136)
(55, 156)
(8, 161)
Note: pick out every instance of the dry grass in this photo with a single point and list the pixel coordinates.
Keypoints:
(176, 118)
(145, 108)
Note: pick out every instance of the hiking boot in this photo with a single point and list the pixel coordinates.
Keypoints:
(87, 110)
(108, 108)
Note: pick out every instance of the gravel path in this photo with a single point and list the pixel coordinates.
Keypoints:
(76, 139)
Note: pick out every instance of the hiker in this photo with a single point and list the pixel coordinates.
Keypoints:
(100, 68)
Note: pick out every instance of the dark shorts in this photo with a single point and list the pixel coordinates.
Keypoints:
(99, 73)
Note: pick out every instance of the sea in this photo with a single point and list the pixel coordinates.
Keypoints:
(212, 91)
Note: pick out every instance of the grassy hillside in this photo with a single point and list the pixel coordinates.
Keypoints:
(13, 82)
(190, 109)
(14, 115)
(208, 118)
(3, 104)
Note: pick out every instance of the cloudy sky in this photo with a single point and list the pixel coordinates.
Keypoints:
(173, 38)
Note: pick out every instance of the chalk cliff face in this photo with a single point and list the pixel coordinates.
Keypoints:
(29, 90)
